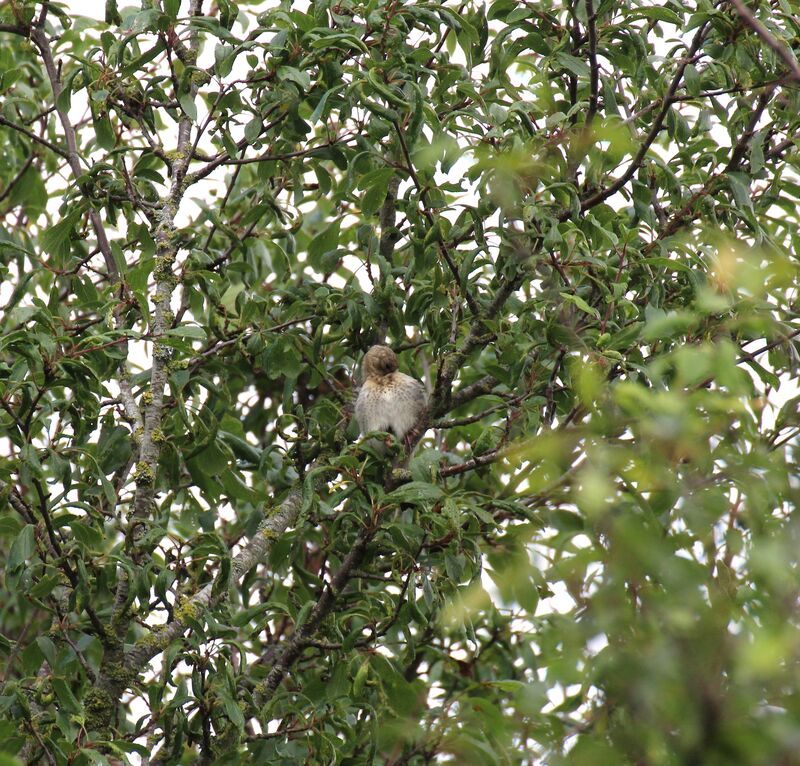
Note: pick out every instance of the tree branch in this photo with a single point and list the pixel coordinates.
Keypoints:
(225, 160)
(740, 150)
(443, 396)
(687, 213)
(15, 29)
(166, 252)
(751, 355)
(465, 421)
(150, 422)
(388, 238)
(472, 391)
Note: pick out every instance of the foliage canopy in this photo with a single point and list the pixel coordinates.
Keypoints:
(576, 221)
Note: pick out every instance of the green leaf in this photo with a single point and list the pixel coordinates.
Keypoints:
(295, 75)
(655, 13)
(9, 526)
(44, 587)
(376, 191)
(22, 548)
(87, 535)
(213, 27)
(236, 489)
(415, 492)
(55, 241)
(233, 711)
(253, 129)
(213, 460)
(323, 243)
(573, 64)
(31, 193)
(65, 696)
(667, 325)
(188, 106)
(740, 186)
(224, 57)
(336, 40)
(581, 304)
(94, 756)
(171, 8)
(192, 332)
(121, 746)
(302, 615)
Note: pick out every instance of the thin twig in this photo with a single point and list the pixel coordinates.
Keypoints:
(15, 180)
(784, 54)
(458, 422)
(443, 249)
(470, 465)
(655, 129)
(42, 42)
(594, 67)
(33, 137)
(750, 356)
(225, 160)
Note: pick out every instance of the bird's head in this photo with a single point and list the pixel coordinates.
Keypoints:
(379, 361)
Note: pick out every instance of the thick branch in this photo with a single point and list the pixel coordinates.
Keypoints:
(480, 387)
(150, 422)
(470, 465)
(15, 29)
(387, 219)
(166, 251)
(388, 239)
(256, 550)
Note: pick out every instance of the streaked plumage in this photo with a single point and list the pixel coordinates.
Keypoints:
(388, 400)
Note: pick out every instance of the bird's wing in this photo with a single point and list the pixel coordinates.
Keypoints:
(420, 395)
(360, 410)
(418, 403)
(416, 395)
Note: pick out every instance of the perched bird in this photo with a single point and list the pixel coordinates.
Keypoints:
(388, 400)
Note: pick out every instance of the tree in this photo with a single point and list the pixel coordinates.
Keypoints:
(577, 222)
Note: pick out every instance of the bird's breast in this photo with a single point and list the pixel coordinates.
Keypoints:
(385, 403)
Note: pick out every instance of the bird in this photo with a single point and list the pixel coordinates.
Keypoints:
(389, 400)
